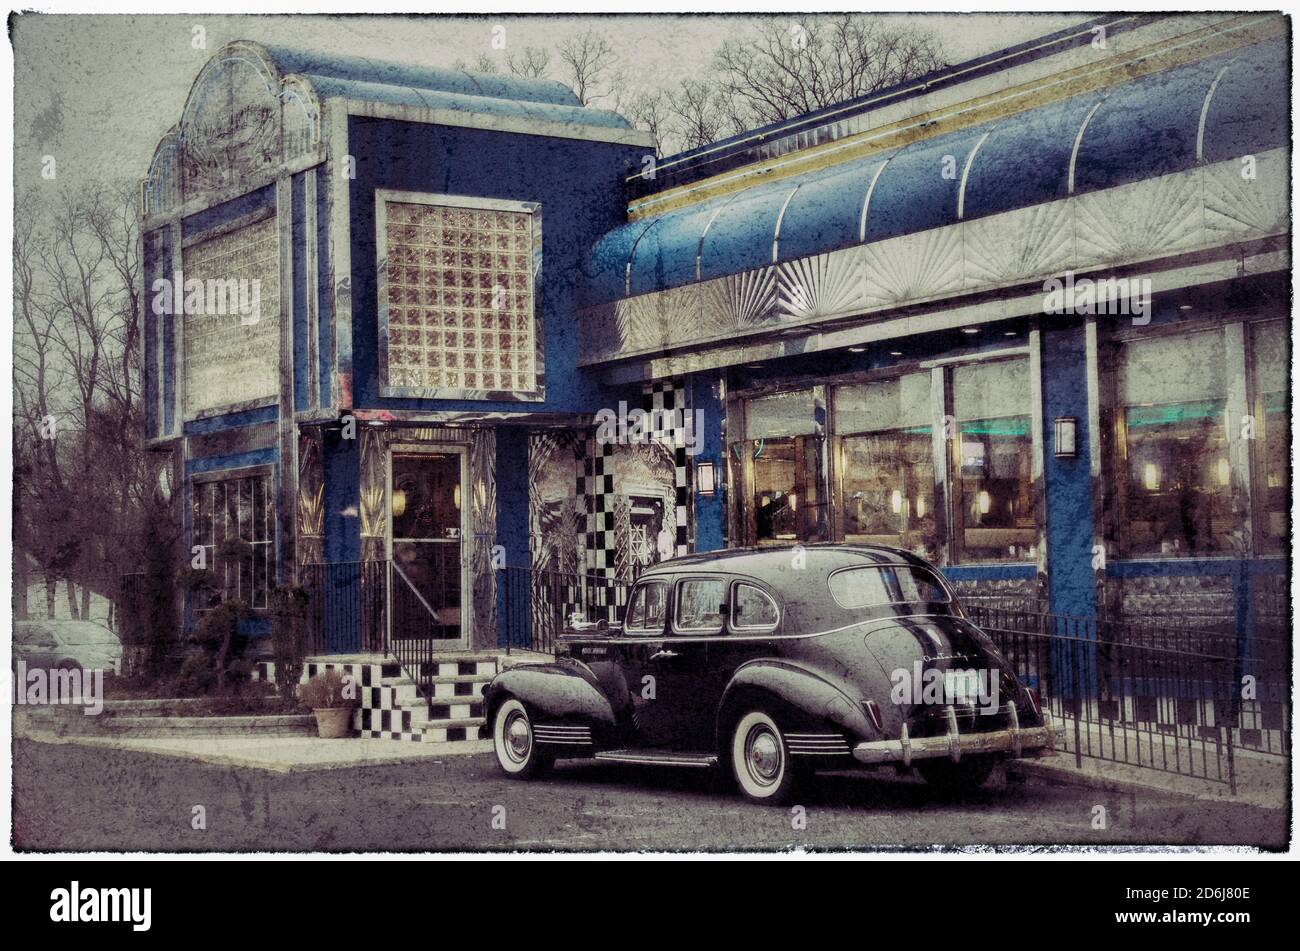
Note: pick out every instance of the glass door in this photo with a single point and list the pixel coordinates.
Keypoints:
(427, 536)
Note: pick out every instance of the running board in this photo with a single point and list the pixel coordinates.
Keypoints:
(702, 760)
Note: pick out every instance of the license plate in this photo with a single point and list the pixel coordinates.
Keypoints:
(961, 686)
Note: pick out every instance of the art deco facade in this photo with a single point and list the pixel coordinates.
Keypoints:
(457, 273)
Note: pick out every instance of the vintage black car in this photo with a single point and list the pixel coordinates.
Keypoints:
(774, 663)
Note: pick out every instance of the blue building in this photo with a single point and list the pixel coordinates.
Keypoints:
(1027, 315)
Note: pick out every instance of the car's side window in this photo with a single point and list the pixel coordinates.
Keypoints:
(648, 609)
(700, 605)
(752, 609)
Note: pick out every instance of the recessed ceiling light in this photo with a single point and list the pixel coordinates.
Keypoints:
(895, 353)
(1184, 306)
(1009, 333)
(857, 349)
(970, 330)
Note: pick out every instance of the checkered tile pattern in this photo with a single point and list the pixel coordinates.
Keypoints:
(392, 709)
(600, 537)
(667, 402)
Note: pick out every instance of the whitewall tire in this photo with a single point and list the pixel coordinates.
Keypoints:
(514, 743)
(760, 759)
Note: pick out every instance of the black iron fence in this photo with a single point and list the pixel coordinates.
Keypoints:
(1184, 701)
(347, 605)
(535, 605)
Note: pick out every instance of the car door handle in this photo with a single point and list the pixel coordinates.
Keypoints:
(663, 655)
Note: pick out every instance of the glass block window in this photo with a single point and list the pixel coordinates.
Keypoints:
(234, 521)
(457, 299)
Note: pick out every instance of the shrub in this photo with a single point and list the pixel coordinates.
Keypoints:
(288, 636)
(329, 689)
(218, 634)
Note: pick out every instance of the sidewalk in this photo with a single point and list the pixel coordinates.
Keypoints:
(1261, 779)
(277, 754)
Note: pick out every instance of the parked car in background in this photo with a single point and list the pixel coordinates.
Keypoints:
(773, 664)
(67, 645)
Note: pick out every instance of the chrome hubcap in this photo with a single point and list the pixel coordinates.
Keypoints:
(518, 737)
(763, 754)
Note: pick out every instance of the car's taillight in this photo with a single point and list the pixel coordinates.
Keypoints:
(873, 711)
(1033, 700)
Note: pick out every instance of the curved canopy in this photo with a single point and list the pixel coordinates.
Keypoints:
(1218, 108)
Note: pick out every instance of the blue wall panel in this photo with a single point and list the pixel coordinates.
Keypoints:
(324, 297)
(342, 521)
(1069, 482)
(577, 183)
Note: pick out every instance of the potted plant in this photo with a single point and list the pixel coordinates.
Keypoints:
(332, 699)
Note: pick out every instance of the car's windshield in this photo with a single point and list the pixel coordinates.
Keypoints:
(885, 584)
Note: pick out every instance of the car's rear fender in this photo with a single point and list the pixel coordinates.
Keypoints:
(801, 692)
(563, 689)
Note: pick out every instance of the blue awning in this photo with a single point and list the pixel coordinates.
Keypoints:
(1222, 107)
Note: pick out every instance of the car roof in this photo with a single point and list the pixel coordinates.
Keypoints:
(770, 563)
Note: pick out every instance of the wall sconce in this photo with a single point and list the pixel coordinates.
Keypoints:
(706, 479)
(1064, 447)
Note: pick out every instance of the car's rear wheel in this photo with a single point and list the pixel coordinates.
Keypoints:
(956, 778)
(514, 742)
(760, 759)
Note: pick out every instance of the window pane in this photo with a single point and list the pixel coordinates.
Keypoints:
(786, 414)
(996, 500)
(776, 497)
(649, 608)
(753, 608)
(1178, 478)
(889, 404)
(700, 603)
(890, 584)
(990, 390)
(1272, 348)
(1173, 369)
(888, 486)
(994, 492)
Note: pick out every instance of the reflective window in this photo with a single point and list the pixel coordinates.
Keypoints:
(885, 584)
(1174, 448)
(886, 460)
(648, 609)
(994, 491)
(752, 607)
(784, 448)
(1270, 355)
(700, 604)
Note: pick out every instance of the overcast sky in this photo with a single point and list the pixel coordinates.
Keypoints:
(97, 92)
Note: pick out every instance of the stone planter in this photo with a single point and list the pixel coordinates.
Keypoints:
(332, 723)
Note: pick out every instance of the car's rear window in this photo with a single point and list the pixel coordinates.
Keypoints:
(885, 584)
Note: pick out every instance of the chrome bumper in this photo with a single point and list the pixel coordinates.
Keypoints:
(953, 745)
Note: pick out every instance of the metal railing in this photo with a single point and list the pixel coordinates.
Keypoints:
(347, 605)
(535, 605)
(1175, 700)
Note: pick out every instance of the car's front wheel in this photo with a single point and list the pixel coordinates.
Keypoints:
(514, 742)
(760, 759)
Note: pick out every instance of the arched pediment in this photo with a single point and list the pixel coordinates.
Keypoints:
(243, 119)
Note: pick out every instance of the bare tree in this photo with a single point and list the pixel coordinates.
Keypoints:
(792, 66)
(587, 60)
(532, 63)
(80, 475)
